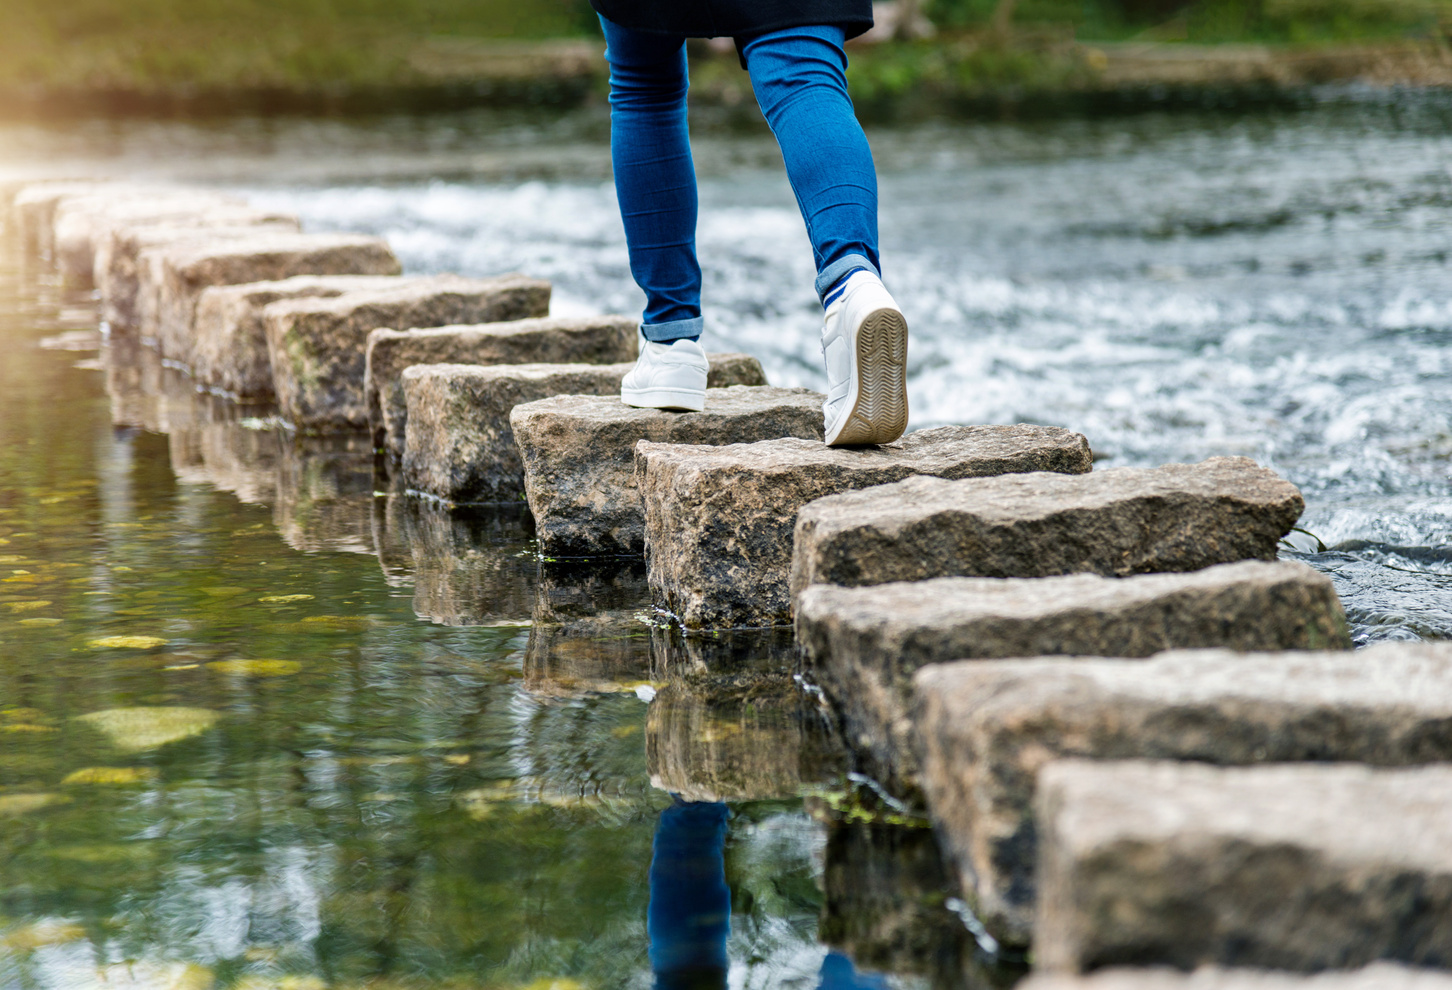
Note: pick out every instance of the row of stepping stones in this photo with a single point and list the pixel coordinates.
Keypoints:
(1255, 797)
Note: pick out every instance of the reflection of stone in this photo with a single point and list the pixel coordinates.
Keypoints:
(885, 888)
(590, 631)
(985, 729)
(391, 525)
(145, 392)
(1378, 976)
(732, 724)
(1297, 867)
(325, 494)
(471, 568)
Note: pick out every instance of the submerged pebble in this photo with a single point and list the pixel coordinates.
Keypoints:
(143, 728)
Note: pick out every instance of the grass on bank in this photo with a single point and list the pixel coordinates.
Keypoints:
(307, 45)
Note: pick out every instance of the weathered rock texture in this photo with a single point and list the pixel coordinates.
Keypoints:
(1180, 517)
(863, 645)
(1284, 867)
(578, 454)
(128, 270)
(719, 519)
(985, 729)
(593, 340)
(459, 444)
(229, 333)
(82, 223)
(318, 347)
(1378, 976)
(178, 272)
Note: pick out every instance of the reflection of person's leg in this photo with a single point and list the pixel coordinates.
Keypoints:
(689, 917)
(799, 75)
(838, 973)
(655, 183)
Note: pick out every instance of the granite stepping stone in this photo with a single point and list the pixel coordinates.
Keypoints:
(1290, 867)
(578, 455)
(984, 729)
(229, 332)
(174, 275)
(591, 340)
(318, 347)
(460, 446)
(719, 520)
(863, 645)
(1179, 517)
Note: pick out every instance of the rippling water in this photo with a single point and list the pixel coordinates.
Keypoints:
(349, 740)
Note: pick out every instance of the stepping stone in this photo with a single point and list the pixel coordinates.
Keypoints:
(318, 346)
(33, 207)
(229, 332)
(82, 223)
(1180, 517)
(1300, 868)
(175, 274)
(719, 520)
(460, 446)
(127, 269)
(578, 454)
(1377, 976)
(591, 340)
(985, 728)
(863, 645)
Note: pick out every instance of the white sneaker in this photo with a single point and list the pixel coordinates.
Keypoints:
(864, 342)
(667, 376)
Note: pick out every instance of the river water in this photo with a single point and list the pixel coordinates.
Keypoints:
(356, 741)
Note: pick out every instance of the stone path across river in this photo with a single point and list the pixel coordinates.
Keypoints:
(979, 612)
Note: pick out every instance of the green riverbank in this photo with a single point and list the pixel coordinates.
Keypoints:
(103, 57)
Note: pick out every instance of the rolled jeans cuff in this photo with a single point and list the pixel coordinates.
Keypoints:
(664, 333)
(833, 273)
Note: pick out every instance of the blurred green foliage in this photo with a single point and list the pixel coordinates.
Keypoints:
(1207, 21)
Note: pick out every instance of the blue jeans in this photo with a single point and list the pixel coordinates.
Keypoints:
(799, 76)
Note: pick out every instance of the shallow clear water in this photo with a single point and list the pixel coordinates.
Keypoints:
(381, 745)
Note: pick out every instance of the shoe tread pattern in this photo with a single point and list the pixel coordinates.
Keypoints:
(881, 412)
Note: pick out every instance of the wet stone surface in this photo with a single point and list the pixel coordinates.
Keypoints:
(1303, 867)
(985, 728)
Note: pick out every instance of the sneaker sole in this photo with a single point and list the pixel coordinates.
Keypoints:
(879, 410)
(676, 399)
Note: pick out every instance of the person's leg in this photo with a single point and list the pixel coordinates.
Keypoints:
(689, 917)
(655, 179)
(799, 75)
(800, 78)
